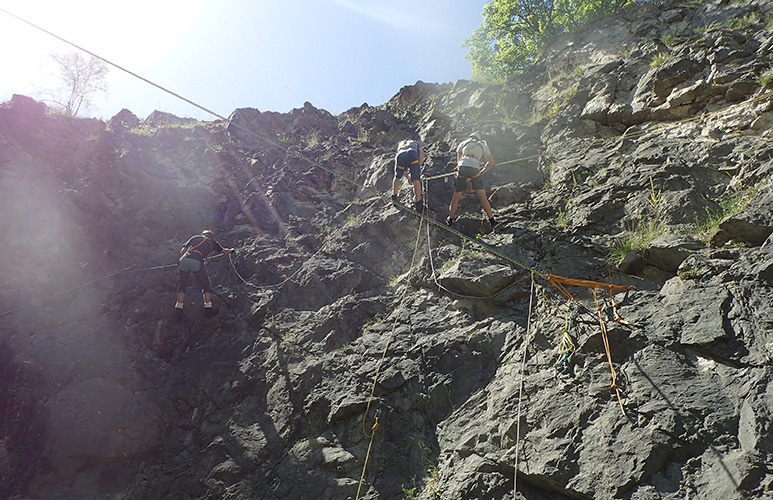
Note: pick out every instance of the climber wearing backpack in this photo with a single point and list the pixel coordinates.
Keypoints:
(469, 154)
(193, 256)
(410, 156)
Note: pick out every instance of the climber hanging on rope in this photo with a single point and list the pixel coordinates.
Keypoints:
(469, 155)
(193, 257)
(410, 156)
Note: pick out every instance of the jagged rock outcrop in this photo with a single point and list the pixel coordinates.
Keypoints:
(341, 310)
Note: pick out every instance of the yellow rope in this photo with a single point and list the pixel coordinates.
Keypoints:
(526, 341)
(381, 362)
(566, 344)
(367, 455)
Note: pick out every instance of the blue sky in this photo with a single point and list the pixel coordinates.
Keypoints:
(229, 54)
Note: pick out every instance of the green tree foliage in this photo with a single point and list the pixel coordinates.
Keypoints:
(79, 79)
(514, 32)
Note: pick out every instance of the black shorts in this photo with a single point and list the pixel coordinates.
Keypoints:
(463, 173)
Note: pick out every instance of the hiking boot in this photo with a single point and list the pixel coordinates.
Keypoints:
(419, 206)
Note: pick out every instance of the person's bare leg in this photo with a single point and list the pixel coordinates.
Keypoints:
(417, 190)
(484, 203)
(454, 204)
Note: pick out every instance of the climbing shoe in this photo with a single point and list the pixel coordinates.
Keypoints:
(395, 198)
(449, 222)
(492, 221)
(419, 206)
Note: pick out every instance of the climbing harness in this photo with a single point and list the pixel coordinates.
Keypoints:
(400, 167)
(197, 245)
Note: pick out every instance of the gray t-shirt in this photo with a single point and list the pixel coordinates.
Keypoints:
(408, 144)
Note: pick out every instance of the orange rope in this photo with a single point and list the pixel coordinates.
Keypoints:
(618, 318)
(605, 338)
(560, 281)
(561, 288)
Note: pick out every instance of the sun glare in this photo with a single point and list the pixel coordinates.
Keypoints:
(134, 35)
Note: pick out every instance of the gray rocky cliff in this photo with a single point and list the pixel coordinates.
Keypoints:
(363, 351)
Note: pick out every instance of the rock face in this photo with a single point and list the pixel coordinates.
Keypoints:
(363, 352)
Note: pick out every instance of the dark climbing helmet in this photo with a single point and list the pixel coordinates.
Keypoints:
(208, 233)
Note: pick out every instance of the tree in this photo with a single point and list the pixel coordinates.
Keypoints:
(514, 32)
(79, 79)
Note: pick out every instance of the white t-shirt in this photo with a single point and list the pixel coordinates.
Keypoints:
(472, 152)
